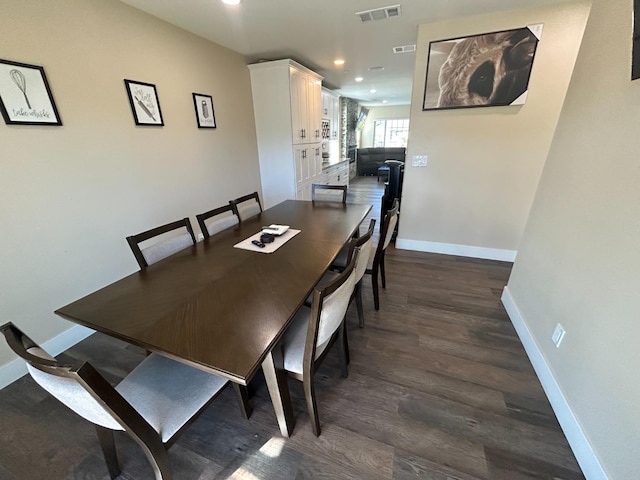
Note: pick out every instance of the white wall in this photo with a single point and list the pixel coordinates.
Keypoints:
(579, 261)
(378, 113)
(484, 164)
(70, 195)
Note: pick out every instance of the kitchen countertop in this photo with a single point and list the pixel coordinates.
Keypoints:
(332, 163)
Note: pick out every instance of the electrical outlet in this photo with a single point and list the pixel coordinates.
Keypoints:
(558, 335)
(419, 160)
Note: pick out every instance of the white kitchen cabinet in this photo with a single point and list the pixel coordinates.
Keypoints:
(331, 114)
(287, 107)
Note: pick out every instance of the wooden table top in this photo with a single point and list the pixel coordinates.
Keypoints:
(219, 307)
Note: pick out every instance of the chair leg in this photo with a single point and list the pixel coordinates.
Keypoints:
(158, 457)
(358, 295)
(345, 341)
(242, 393)
(343, 351)
(384, 279)
(374, 284)
(108, 446)
(312, 407)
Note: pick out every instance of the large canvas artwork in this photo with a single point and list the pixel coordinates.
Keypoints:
(485, 70)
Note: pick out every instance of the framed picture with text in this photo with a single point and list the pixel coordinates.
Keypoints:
(25, 96)
(145, 105)
(204, 110)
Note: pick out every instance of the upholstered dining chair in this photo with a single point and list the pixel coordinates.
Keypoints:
(365, 245)
(375, 264)
(328, 193)
(312, 330)
(247, 206)
(219, 219)
(167, 246)
(153, 404)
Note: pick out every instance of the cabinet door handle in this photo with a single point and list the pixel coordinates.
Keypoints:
(304, 153)
(302, 133)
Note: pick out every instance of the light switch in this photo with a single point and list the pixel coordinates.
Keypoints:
(419, 161)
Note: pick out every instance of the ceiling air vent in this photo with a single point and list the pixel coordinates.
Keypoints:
(379, 13)
(404, 49)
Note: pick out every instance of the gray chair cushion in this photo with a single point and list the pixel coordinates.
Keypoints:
(294, 340)
(71, 394)
(165, 248)
(248, 209)
(168, 393)
(222, 222)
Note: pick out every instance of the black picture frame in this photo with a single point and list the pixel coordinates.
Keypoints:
(205, 115)
(145, 104)
(485, 70)
(25, 95)
(635, 47)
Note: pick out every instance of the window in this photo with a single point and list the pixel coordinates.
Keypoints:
(391, 133)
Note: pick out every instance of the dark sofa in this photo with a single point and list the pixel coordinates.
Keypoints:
(369, 159)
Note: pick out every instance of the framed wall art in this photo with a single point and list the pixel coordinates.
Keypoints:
(204, 110)
(490, 69)
(145, 105)
(25, 96)
(635, 47)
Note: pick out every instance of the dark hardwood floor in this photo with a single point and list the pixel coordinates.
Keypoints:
(439, 388)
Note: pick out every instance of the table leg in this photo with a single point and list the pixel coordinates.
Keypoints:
(279, 392)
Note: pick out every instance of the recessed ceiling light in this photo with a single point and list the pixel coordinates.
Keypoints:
(359, 79)
(376, 69)
(373, 90)
(231, 2)
(385, 101)
(339, 61)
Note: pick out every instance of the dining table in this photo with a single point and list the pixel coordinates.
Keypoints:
(221, 308)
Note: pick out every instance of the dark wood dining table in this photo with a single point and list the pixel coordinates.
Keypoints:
(221, 308)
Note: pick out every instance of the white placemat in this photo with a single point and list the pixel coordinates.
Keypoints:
(268, 247)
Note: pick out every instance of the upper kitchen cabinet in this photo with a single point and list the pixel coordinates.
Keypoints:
(330, 114)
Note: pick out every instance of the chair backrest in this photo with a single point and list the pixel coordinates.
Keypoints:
(224, 217)
(247, 206)
(74, 386)
(328, 193)
(166, 246)
(365, 245)
(328, 309)
(388, 226)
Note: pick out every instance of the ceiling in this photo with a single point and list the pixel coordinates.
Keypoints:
(316, 32)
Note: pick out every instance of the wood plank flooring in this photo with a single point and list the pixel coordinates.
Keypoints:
(439, 388)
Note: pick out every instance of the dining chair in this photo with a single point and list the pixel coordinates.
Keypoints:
(167, 246)
(312, 330)
(365, 245)
(328, 193)
(375, 265)
(153, 404)
(224, 217)
(247, 206)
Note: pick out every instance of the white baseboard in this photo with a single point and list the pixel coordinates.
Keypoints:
(15, 369)
(591, 467)
(460, 250)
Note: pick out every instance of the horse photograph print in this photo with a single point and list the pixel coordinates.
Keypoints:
(490, 69)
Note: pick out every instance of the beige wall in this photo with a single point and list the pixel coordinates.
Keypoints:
(69, 195)
(579, 261)
(485, 163)
(384, 113)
